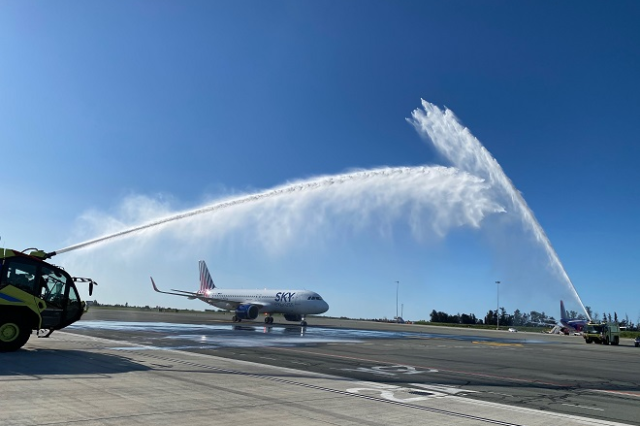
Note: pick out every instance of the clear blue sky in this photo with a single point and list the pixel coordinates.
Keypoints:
(112, 113)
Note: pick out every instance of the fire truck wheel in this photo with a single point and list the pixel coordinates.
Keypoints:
(13, 334)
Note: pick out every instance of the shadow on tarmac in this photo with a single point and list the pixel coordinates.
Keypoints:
(28, 364)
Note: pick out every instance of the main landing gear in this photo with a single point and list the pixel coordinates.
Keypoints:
(269, 320)
(235, 318)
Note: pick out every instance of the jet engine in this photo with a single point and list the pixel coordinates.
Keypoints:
(247, 312)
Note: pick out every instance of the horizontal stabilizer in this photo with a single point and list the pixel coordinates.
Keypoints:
(183, 291)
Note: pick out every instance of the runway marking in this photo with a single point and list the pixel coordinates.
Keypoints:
(443, 388)
(466, 373)
(519, 345)
(635, 394)
(367, 370)
(584, 406)
(389, 370)
(388, 392)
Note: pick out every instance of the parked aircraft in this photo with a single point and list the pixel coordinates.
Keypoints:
(565, 325)
(247, 304)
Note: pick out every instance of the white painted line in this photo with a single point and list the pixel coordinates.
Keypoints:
(614, 392)
(501, 394)
(584, 406)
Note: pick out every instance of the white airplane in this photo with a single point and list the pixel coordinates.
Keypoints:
(247, 304)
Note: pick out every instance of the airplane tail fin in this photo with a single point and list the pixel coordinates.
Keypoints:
(206, 282)
(563, 313)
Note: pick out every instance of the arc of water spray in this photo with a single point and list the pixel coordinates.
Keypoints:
(466, 153)
(313, 184)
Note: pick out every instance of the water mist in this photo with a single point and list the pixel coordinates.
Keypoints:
(465, 152)
(437, 198)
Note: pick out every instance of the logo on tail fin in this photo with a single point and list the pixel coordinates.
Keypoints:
(206, 282)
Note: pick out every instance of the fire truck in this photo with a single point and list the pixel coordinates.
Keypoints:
(35, 295)
(601, 333)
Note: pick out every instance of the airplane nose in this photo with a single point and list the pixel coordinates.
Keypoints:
(325, 306)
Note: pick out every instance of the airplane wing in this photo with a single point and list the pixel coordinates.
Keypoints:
(183, 293)
(206, 299)
(542, 324)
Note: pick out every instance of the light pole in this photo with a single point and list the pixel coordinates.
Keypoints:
(498, 305)
(397, 289)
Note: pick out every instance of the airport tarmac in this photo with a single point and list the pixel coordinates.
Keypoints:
(124, 367)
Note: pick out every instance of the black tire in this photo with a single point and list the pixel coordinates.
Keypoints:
(588, 340)
(14, 333)
(616, 341)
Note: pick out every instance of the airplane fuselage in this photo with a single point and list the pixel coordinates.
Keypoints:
(248, 304)
(295, 302)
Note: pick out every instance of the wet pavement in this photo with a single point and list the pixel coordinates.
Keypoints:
(215, 336)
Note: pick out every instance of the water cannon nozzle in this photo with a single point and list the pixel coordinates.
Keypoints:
(40, 254)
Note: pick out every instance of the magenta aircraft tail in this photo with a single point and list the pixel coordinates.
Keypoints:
(206, 282)
(573, 323)
(563, 313)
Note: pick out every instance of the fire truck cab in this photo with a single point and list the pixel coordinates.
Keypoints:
(34, 295)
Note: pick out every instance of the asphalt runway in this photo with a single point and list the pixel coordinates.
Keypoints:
(546, 372)
(443, 370)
